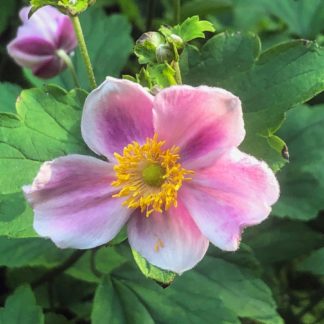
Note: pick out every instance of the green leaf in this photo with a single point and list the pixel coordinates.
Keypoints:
(302, 181)
(109, 44)
(314, 263)
(152, 272)
(190, 29)
(303, 17)
(32, 252)
(138, 300)
(47, 125)
(68, 7)
(7, 11)
(21, 308)
(268, 84)
(281, 240)
(234, 279)
(210, 293)
(8, 95)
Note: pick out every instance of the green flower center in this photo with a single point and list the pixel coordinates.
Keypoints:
(153, 175)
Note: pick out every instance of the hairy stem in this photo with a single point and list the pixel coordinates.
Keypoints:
(84, 51)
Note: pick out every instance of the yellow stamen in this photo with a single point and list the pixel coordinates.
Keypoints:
(149, 176)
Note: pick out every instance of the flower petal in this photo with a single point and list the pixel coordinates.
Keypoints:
(170, 240)
(234, 193)
(203, 121)
(72, 200)
(115, 114)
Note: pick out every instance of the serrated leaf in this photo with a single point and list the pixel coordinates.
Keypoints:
(268, 83)
(302, 181)
(47, 125)
(8, 95)
(190, 29)
(21, 307)
(150, 271)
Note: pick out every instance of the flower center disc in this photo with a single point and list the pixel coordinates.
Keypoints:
(149, 176)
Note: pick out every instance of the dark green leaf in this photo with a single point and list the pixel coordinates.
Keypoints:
(302, 181)
(268, 84)
(278, 240)
(21, 308)
(303, 17)
(314, 263)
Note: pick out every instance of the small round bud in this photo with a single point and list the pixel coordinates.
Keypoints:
(164, 53)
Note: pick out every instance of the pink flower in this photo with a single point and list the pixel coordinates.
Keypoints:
(175, 176)
(40, 38)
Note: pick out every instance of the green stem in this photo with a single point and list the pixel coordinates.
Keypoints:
(67, 60)
(178, 77)
(177, 10)
(84, 50)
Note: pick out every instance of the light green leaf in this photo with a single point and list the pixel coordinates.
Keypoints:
(314, 263)
(21, 308)
(302, 181)
(268, 84)
(152, 272)
(68, 7)
(8, 95)
(47, 125)
(190, 29)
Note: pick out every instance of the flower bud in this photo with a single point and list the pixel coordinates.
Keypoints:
(177, 40)
(146, 47)
(40, 38)
(164, 53)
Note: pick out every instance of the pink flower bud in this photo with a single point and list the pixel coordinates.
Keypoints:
(38, 40)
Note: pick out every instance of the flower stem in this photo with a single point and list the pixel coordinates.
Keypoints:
(67, 60)
(84, 50)
(177, 10)
(178, 77)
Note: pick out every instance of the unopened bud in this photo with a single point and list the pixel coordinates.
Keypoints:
(164, 53)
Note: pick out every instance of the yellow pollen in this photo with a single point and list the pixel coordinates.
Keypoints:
(149, 176)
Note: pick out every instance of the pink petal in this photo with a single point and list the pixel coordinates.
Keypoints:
(234, 193)
(71, 198)
(203, 121)
(170, 240)
(66, 38)
(115, 114)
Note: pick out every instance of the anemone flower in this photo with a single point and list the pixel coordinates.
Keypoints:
(42, 41)
(171, 172)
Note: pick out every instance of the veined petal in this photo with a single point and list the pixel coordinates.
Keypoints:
(115, 114)
(170, 240)
(72, 201)
(203, 121)
(234, 193)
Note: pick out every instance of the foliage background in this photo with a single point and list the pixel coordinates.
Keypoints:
(277, 275)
